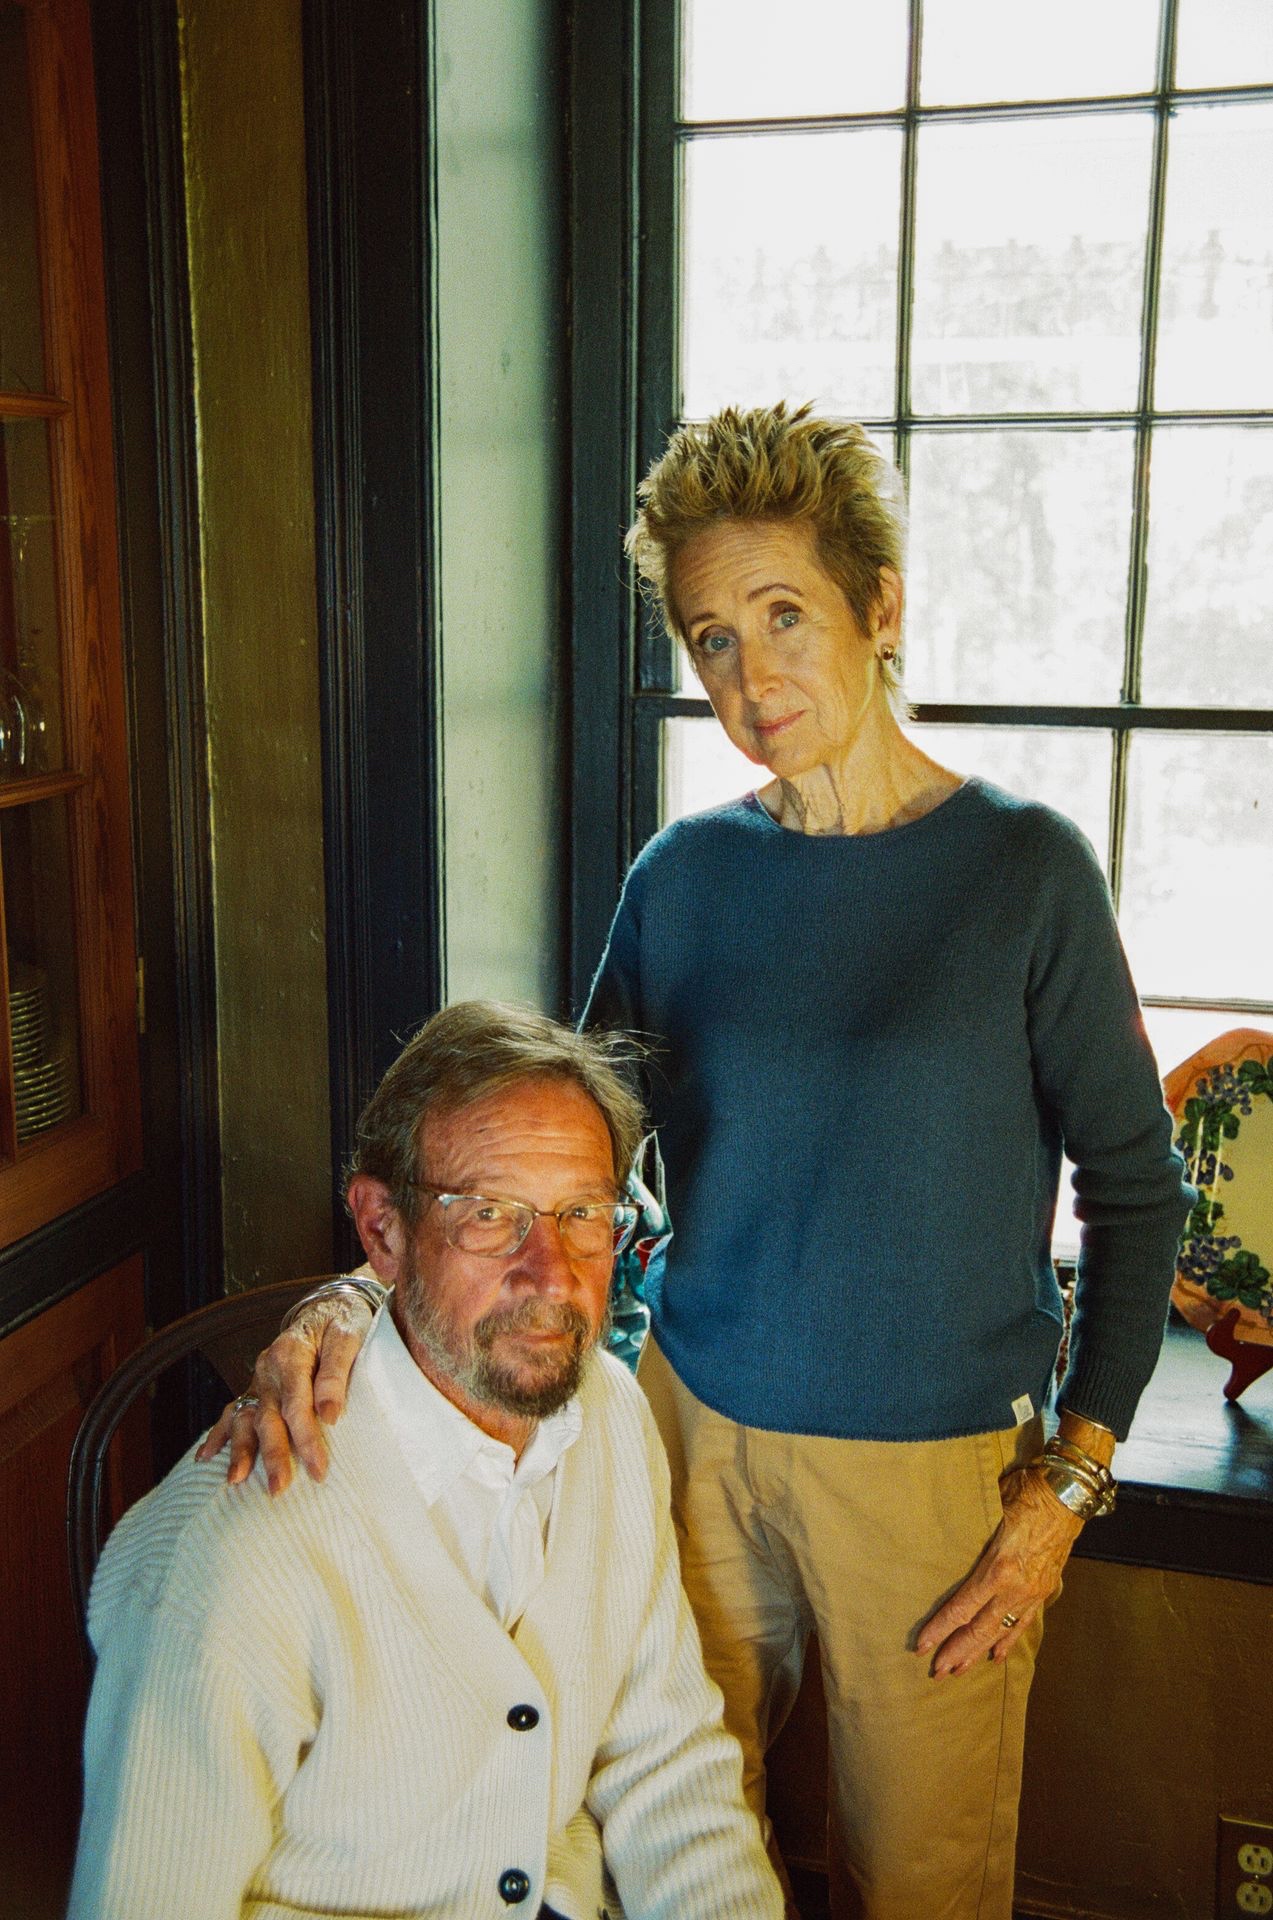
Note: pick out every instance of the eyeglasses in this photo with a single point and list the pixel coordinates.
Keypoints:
(474, 1223)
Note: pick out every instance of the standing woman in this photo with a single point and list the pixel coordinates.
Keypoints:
(881, 1000)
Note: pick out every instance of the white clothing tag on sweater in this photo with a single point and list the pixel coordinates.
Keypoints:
(1022, 1409)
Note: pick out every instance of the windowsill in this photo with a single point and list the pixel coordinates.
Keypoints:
(1195, 1474)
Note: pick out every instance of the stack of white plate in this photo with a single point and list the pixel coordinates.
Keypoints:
(42, 1090)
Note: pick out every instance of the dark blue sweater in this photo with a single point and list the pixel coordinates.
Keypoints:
(868, 1054)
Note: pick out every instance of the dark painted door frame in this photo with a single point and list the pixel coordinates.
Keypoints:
(369, 130)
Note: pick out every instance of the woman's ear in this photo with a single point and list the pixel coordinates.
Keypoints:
(380, 1226)
(886, 619)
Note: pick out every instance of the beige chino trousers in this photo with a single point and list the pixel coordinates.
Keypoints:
(784, 1534)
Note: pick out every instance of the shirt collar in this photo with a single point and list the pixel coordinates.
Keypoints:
(439, 1443)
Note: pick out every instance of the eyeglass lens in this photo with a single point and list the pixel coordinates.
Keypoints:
(478, 1225)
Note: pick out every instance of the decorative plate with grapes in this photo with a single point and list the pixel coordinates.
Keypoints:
(1222, 1101)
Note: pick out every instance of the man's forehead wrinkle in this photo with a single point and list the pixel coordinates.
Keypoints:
(475, 1171)
(486, 1145)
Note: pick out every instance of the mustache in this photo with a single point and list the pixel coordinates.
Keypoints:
(533, 1316)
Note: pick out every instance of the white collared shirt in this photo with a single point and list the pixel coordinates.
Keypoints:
(491, 1509)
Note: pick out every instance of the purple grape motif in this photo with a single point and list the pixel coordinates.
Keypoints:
(1221, 1100)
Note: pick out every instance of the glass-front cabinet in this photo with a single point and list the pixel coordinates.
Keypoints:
(68, 996)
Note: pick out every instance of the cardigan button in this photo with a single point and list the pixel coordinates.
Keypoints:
(514, 1885)
(522, 1719)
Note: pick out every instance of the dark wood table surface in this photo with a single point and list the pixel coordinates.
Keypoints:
(1196, 1472)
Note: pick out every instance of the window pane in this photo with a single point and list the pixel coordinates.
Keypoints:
(1017, 580)
(1066, 767)
(1223, 43)
(1215, 324)
(35, 869)
(1176, 1032)
(701, 769)
(749, 60)
(1197, 907)
(30, 655)
(21, 351)
(1029, 250)
(789, 286)
(1209, 606)
(1001, 50)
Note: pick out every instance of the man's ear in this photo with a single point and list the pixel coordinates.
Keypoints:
(379, 1226)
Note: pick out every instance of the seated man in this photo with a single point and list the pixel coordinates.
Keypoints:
(460, 1677)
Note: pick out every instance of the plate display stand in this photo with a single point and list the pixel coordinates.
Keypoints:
(1247, 1361)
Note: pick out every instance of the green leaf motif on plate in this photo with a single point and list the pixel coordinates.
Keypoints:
(1214, 1113)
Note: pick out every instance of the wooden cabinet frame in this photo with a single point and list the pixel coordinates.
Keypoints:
(56, 1171)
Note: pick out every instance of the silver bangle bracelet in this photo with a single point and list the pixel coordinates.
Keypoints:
(348, 1286)
(1069, 1454)
(1078, 1491)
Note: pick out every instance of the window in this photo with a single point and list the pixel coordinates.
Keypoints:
(1033, 251)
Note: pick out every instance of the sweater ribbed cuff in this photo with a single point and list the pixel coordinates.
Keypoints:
(1102, 1390)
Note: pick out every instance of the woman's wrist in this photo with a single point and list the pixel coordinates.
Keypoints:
(1080, 1482)
(1090, 1435)
(346, 1287)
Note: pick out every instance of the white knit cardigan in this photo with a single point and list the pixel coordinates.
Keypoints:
(301, 1708)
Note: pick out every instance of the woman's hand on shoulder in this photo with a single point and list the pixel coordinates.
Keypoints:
(297, 1388)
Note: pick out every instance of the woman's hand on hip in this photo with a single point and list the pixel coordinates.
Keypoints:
(298, 1387)
(1017, 1574)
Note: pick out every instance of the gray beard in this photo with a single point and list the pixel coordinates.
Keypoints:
(535, 1391)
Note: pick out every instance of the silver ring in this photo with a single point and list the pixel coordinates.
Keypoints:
(244, 1401)
(1009, 1620)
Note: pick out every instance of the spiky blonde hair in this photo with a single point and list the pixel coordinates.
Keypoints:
(776, 464)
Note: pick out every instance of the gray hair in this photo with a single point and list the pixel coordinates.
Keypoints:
(471, 1050)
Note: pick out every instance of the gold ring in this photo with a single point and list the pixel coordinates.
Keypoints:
(1009, 1620)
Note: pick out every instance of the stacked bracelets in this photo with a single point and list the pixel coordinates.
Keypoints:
(349, 1286)
(1082, 1485)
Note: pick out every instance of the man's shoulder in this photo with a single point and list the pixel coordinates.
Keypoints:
(617, 1417)
(201, 1551)
(609, 1390)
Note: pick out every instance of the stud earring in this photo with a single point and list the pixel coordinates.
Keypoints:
(888, 651)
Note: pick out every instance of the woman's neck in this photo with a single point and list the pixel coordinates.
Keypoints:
(882, 780)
